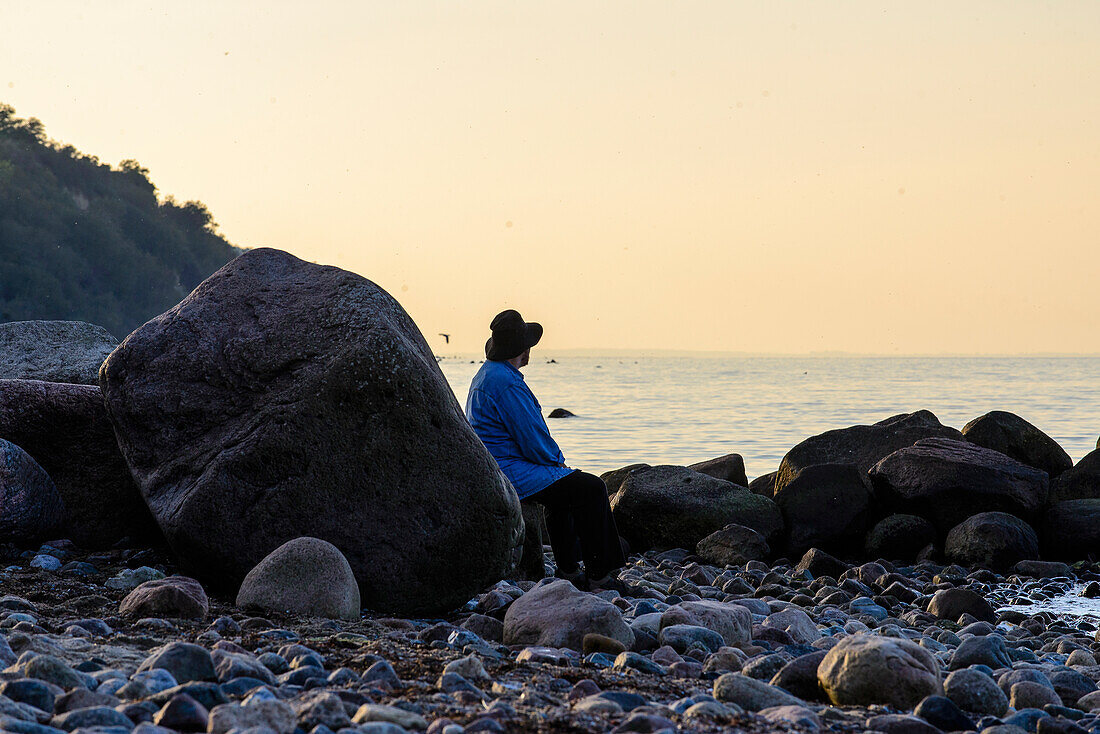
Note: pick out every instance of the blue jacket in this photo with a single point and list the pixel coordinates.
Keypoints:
(508, 420)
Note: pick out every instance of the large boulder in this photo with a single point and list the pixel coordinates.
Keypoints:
(66, 429)
(303, 576)
(1013, 436)
(1071, 530)
(53, 351)
(30, 507)
(614, 479)
(825, 506)
(863, 670)
(675, 507)
(862, 446)
(282, 399)
(555, 614)
(899, 537)
(730, 467)
(947, 481)
(994, 540)
(1080, 482)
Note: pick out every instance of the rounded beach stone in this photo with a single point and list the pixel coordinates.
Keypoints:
(867, 669)
(732, 621)
(733, 545)
(953, 603)
(994, 540)
(976, 692)
(30, 506)
(302, 576)
(555, 614)
(175, 596)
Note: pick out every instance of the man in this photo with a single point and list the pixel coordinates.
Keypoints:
(506, 416)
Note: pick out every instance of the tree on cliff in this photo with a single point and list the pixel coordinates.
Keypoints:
(84, 241)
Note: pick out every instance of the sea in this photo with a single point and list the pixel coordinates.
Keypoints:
(684, 408)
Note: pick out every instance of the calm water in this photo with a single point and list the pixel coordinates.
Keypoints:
(684, 409)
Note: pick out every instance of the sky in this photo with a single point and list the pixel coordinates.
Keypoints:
(779, 177)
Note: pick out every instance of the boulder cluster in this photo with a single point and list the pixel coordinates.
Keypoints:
(998, 492)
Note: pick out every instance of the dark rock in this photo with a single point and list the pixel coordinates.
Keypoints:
(675, 507)
(1043, 569)
(953, 603)
(942, 713)
(862, 446)
(30, 506)
(175, 596)
(65, 428)
(730, 467)
(82, 698)
(185, 661)
(305, 576)
(1013, 436)
(825, 506)
(899, 537)
(54, 351)
(994, 540)
(307, 395)
(37, 693)
(561, 413)
(614, 479)
(764, 485)
(90, 717)
(975, 691)
(988, 650)
(208, 694)
(1071, 686)
(532, 565)
(799, 677)
(182, 713)
(733, 545)
(1070, 530)
(1082, 481)
(1058, 725)
(819, 563)
(947, 481)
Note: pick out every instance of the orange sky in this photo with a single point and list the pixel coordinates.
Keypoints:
(761, 177)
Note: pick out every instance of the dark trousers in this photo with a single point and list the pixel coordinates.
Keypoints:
(580, 524)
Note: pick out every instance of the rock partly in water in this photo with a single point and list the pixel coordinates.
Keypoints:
(561, 413)
(899, 537)
(730, 467)
(30, 506)
(175, 596)
(825, 506)
(555, 614)
(862, 446)
(1013, 436)
(302, 576)
(66, 429)
(947, 481)
(54, 351)
(867, 669)
(732, 545)
(994, 540)
(675, 507)
(282, 399)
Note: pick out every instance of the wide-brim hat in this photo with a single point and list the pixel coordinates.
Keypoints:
(512, 336)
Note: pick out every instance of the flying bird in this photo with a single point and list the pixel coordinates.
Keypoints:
(446, 337)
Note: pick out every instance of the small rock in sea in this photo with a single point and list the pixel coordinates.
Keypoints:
(175, 596)
(561, 413)
(302, 576)
(131, 578)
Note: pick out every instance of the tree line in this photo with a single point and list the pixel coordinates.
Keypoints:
(82, 240)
